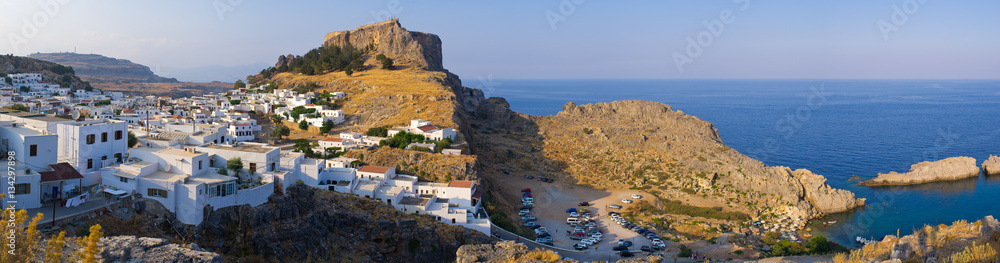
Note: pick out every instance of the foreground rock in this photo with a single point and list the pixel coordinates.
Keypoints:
(509, 251)
(959, 242)
(992, 165)
(146, 249)
(948, 169)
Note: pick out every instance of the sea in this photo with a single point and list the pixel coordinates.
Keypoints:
(836, 128)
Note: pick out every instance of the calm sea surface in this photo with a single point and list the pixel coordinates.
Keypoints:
(836, 128)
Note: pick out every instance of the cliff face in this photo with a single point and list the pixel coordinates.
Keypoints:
(948, 169)
(428, 166)
(390, 38)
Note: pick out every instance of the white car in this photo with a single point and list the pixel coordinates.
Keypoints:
(636, 196)
(598, 235)
(574, 214)
(626, 201)
(588, 242)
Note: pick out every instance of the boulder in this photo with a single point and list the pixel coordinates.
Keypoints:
(992, 165)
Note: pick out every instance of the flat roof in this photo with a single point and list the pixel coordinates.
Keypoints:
(461, 184)
(165, 176)
(414, 201)
(178, 152)
(48, 119)
(243, 147)
(367, 185)
(210, 177)
(24, 131)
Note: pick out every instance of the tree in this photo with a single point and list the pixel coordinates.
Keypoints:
(443, 144)
(25, 89)
(386, 61)
(303, 125)
(54, 251)
(223, 171)
(685, 252)
(280, 130)
(378, 132)
(327, 126)
(348, 71)
(90, 245)
(235, 164)
(132, 140)
(19, 107)
(239, 84)
(275, 119)
(9, 80)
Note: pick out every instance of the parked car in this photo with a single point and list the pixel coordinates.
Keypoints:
(541, 178)
(626, 201)
(646, 248)
(529, 177)
(550, 180)
(584, 204)
(528, 190)
(636, 196)
(619, 248)
(626, 254)
(506, 172)
(574, 214)
(615, 206)
(580, 246)
(571, 210)
(526, 195)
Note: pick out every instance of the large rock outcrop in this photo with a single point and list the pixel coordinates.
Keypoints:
(390, 38)
(146, 249)
(962, 241)
(992, 165)
(948, 169)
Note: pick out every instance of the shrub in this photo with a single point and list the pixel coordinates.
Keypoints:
(983, 253)
(685, 251)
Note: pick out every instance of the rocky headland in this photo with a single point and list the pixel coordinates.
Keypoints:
(948, 169)
(960, 242)
(992, 165)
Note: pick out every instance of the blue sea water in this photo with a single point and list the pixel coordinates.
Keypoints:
(836, 128)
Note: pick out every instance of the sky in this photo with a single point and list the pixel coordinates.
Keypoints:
(200, 40)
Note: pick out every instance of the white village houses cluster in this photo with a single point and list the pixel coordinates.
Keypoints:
(185, 148)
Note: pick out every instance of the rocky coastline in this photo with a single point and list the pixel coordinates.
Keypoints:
(948, 169)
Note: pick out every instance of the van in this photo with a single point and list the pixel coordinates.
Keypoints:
(572, 220)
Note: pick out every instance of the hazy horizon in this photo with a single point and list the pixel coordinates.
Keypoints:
(571, 39)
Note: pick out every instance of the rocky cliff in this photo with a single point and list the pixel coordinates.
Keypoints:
(948, 169)
(98, 66)
(145, 249)
(992, 165)
(390, 38)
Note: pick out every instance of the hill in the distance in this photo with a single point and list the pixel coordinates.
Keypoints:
(112, 74)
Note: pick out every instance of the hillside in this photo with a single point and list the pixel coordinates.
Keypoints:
(111, 74)
(14, 64)
(99, 67)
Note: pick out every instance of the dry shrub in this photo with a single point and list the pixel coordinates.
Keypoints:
(983, 253)
(539, 254)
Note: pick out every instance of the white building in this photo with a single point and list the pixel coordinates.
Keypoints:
(92, 145)
(425, 128)
(241, 132)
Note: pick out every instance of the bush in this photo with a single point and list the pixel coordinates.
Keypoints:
(676, 207)
(413, 245)
(975, 254)
(378, 132)
(685, 252)
(303, 125)
(321, 60)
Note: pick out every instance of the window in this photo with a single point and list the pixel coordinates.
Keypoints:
(253, 167)
(153, 192)
(123, 179)
(90, 163)
(199, 164)
(104, 137)
(118, 157)
(33, 151)
(118, 135)
(21, 189)
(211, 162)
(90, 138)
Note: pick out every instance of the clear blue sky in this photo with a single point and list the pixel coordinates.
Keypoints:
(515, 39)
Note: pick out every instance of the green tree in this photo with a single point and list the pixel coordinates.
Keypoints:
(234, 102)
(443, 144)
(20, 107)
(280, 130)
(303, 125)
(327, 126)
(685, 252)
(349, 71)
(25, 89)
(9, 80)
(235, 164)
(275, 119)
(132, 140)
(239, 84)
(378, 132)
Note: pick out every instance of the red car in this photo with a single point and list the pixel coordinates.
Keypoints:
(526, 190)
(527, 195)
